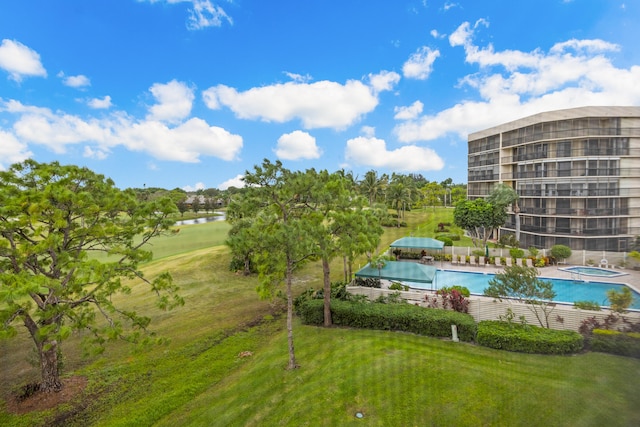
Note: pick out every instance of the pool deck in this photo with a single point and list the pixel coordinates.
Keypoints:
(631, 278)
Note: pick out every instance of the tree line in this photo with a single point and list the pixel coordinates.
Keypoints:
(402, 192)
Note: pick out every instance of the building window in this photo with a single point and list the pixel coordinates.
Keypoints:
(564, 168)
(563, 149)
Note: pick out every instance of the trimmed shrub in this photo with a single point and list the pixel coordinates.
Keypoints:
(311, 312)
(391, 317)
(393, 223)
(527, 338)
(615, 342)
(446, 240)
(560, 251)
(587, 305)
(453, 236)
(516, 253)
(462, 289)
(367, 282)
(395, 286)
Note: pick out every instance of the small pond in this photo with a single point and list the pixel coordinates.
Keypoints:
(220, 217)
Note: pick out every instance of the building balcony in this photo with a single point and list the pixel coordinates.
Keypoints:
(576, 231)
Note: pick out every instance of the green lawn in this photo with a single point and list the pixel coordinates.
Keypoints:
(392, 378)
(397, 379)
(190, 238)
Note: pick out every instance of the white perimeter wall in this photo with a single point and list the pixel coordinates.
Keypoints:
(562, 317)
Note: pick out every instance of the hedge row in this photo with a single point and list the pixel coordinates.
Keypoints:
(527, 338)
(394, 317)
(621, 343)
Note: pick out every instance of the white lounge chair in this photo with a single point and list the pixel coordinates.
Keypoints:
(482, 262)
(472, 260)
(529, 262)
(509, 262)
(519, 262)
(498, 262)
(454, 259)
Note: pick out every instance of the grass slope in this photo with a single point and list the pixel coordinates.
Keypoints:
(402, 379)
(394, 379)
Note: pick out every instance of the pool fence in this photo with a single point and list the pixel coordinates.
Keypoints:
(605, 259)
(563, 316)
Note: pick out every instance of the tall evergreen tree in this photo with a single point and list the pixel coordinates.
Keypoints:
(51, 218)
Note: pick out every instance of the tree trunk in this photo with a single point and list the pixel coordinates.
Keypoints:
(327, 291)
(516, 211)
(48, 354)
(344, 266)
(292, 356)
(247, 266)
(49, 367)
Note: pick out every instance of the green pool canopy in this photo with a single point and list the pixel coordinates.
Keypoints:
(400, 271)
(418, 243)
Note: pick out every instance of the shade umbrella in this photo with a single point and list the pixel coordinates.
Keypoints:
(486, 251)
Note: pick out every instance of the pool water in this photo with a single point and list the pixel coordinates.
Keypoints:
(593, 271)
(567, 291)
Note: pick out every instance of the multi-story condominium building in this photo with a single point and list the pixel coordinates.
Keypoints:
(576, 171)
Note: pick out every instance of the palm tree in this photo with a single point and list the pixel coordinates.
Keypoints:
(398, 195)
(504, 195)
(371, 186)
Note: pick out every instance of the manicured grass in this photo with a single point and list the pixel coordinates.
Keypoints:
(190, 238)
(392, 378)
(400, 379)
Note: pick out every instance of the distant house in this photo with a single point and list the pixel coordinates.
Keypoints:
(200, 199)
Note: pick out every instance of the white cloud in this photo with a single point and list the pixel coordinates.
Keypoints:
(322, 104)
(78, 81)
(20, 61)
(586, 46)
(202, 14)
(513, 84)
(368, 131)
(299, 77)
(420, 64)
(98, 104)
(198, 186)
(175, 100)
(297, 145)
(450, 5)
(206, 14)
(436, 34)
(237, 181)
(93, 153)
(384, 81)
(410, 158)
(410, 112)
(463, 34)
(12, 150)
(57, 130)
(186, 142)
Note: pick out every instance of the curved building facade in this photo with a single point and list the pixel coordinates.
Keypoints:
(576, 171)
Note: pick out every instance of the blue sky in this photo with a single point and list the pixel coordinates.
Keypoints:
(192, 93)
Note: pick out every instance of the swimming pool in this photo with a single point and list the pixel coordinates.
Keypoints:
(593, 271)
(567, 291)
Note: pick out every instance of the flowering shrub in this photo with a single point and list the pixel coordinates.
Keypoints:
(454, 297)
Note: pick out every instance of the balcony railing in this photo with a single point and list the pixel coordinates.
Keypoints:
(513, 138)
(575, 212)
(577, 231)
(578, 152)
